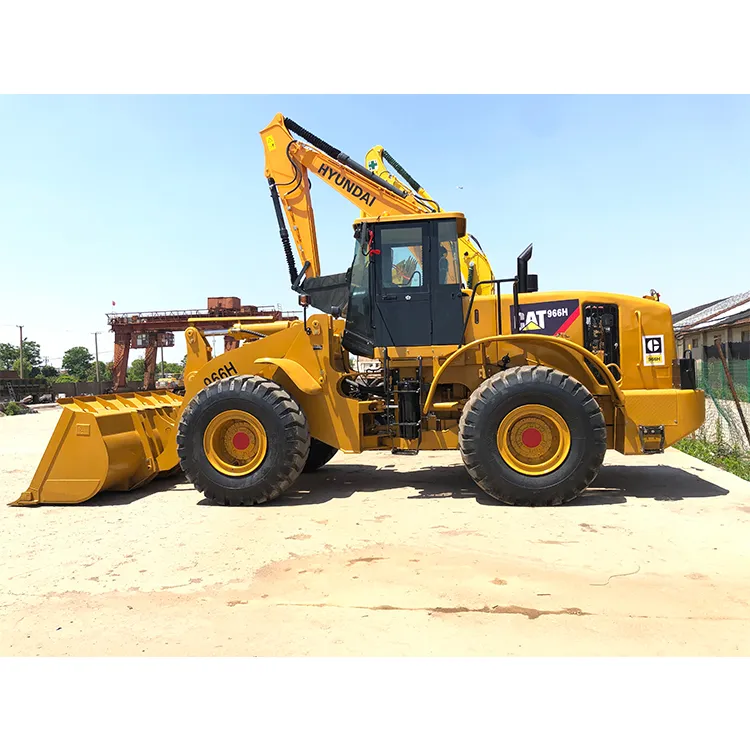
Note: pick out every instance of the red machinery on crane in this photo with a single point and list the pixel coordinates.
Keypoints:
(151, 330)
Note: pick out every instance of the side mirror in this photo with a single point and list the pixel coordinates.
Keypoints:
(532, 282)
(522, 274)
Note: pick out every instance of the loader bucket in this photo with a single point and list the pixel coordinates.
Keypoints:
(119, 442)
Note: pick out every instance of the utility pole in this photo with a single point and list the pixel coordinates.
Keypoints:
(162, 361)
(20, 350)
(96, 356)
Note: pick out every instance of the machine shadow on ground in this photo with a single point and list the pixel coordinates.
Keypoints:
(338, 481)
(613, 485)
(174, 483)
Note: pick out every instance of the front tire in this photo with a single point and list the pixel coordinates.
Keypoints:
(243, 440)
(532, 436)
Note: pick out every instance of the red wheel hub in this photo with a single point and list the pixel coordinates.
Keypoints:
(531, 437)
(241, 441)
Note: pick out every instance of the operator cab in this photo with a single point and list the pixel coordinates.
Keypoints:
(405, 283)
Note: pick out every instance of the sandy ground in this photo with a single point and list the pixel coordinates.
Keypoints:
(378, 555)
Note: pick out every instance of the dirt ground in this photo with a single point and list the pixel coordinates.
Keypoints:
(378, 555)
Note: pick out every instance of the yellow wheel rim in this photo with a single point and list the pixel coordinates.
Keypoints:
(235, 443)
(533, 440)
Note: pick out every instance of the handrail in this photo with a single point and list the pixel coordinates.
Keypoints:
(497, 283)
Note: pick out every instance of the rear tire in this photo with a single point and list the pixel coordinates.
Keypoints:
(320, 454)
(270, 453)
(567, 436)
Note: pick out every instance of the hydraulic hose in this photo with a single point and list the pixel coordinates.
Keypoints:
(286, 244)
(415, 186)
(409, 179)
(340, 156)
(476, 242)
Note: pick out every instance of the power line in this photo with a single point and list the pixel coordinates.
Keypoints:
(47, 329)
(57, 359)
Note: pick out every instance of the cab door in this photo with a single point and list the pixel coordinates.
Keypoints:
(403, 314)
(447, 301)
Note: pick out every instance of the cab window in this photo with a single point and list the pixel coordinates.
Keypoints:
(448, 267)
(401, 249)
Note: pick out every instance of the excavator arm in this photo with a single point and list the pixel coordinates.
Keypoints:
(289, 162)
(475, 266)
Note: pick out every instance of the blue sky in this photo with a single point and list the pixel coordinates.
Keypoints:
(159, 202)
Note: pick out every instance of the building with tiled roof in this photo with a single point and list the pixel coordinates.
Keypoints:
(729, 318)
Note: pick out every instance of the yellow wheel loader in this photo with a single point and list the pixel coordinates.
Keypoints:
(530, 386)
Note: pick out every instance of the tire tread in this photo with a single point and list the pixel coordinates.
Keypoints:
(493, 389)
(295, 428)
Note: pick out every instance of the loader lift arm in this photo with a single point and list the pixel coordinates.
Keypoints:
(475, 266)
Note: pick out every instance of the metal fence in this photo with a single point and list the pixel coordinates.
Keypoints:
(90, 388)
(723, 423)
(16, 389)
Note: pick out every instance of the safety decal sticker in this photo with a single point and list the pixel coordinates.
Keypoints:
(271, 143)
(653, 350)
(546, 318)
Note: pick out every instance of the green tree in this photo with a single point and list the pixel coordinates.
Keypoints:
(27, 373)
(105, 371)
(49, 372)
(77, 362)
(171, 367)
(31, 353)
(64, 379)
(9, 355)
(137, 369)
